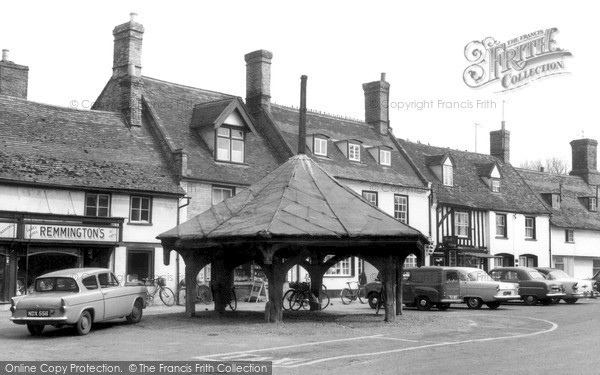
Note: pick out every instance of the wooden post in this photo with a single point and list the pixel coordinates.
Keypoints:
(220, 283)
(389, 277)
(276, 274)
(193, 264)
(399, 268)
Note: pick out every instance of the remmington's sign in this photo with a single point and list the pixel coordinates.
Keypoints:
(71, 233)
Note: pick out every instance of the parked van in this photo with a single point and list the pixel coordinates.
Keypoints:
(425, 287)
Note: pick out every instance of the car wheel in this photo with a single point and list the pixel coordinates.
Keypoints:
(474, 303)
(84, 324)
(443, 306)
(423, 303)
(373, 300)
(555, 300)
(136, 313)
(493, 305)
(35, 329)
(530, 300)
(571, 301)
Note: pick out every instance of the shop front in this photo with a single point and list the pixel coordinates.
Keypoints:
(34, 244)
(450, 253)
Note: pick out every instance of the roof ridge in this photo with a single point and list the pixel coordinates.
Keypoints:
(56, 106)
(322, 114)
(189, 87)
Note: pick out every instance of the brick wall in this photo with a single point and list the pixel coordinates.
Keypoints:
(13, 79)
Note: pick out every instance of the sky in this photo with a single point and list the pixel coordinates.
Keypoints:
(68, 46)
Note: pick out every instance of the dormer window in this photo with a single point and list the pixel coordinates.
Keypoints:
(448, 173)
(555, 200)
(353, 152)
(385, 157)
(495, 185)
(592, 204)
(320, 146)
(230, 144)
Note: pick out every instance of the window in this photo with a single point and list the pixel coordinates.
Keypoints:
(219, 194)
(500, 225)
(140, 210)
(528, 261)
(353, 152)
(569, 235)
(90, 282)
(230, 145)
(97, 205)
(596, 266)
(592, 204)
(107, 280)
(401, 208)
(447, 173)
(371, 196)
(385, 157)
(342, 268)
(495, 185)
(410, 261)
(559, 262)
(530, 227)
(320, 146)
(461, 224)
(140, 265)
(555, 200)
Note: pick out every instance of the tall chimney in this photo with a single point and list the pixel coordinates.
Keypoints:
(584, 160)
(14, 78)
(258, 80)
(500, 144)
(377, 96)
(127, 68)
(302, 127)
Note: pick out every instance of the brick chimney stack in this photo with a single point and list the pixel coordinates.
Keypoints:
(584, 160)
(127, 68)
(258, 80)
(500, 144)
(377, 96)
(14, 78)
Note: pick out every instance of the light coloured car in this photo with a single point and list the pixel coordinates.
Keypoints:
(477, 288)
(78, 297)
(574, 288)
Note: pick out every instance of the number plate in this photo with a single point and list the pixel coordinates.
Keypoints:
(507, 293)
(38, 313)
(453, 297)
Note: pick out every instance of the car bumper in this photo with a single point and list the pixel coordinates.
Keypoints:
(507, 298)
(451, 301)
(57, 320)
(556, 295)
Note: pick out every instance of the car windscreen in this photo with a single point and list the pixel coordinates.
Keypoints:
(56, 284)
(535, 275)
(558, 274)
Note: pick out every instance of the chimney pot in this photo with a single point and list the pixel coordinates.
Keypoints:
(132, 16)
(584, 160)
(5, 55)
(382, 77)
(14, 78)
(500, 144)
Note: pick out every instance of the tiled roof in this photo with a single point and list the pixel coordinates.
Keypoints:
(47, 144)
(174, 106)
(336, 163)
(469, 189)
(298, 199)
(572, 214)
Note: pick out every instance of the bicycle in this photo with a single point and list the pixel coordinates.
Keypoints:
(165, 293)
(381, 300)
(349, 295)
(300, 296)
(203, 293)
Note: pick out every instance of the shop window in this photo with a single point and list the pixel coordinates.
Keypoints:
(140, 265)
(2, 278)
(97, 205)
(141, 209)
(219, 194)
(371, 196)
(230, 144)
(342, 268)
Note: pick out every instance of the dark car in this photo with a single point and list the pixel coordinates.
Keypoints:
(533, 286)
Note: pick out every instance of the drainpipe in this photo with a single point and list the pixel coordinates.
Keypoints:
(177, 253)
(550, 241)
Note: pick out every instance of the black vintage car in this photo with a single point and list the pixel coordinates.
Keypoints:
(533, 286)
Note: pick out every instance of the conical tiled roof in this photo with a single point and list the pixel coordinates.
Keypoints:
(298, 199)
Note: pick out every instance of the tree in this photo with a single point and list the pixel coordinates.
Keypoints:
(551, 165)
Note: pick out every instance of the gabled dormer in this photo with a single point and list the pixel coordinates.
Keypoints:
(442, 167)
(490, 174)
(590, 203)
(352, 149)
(224, 126)
(381, 154)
